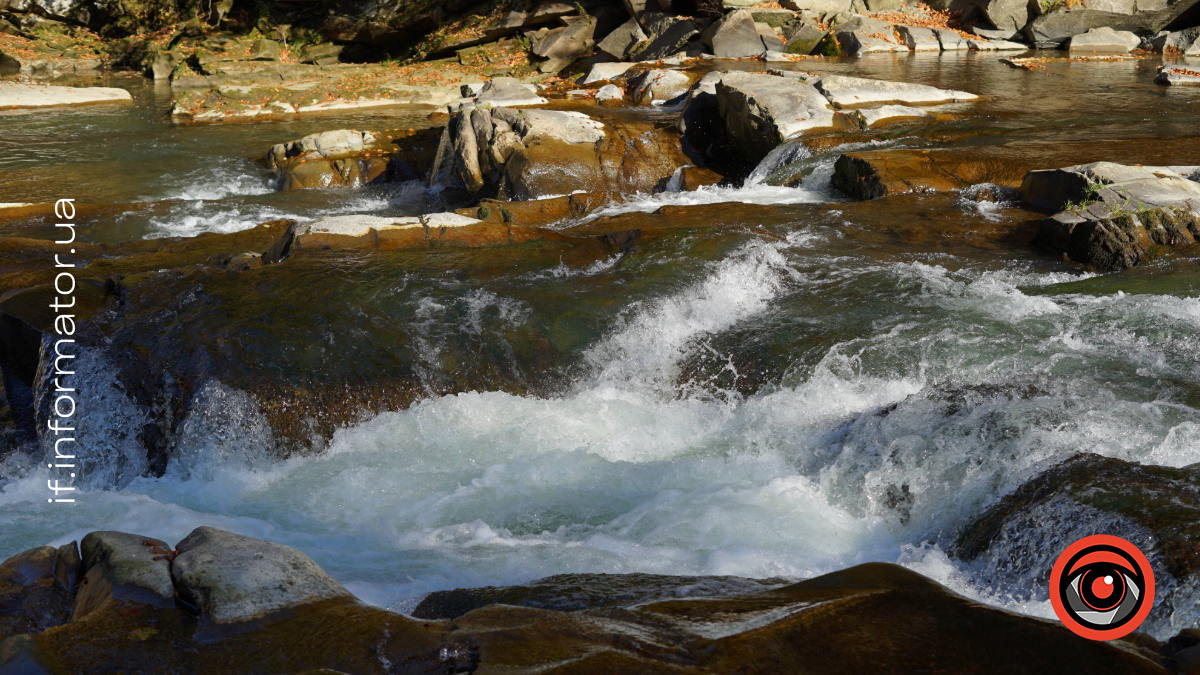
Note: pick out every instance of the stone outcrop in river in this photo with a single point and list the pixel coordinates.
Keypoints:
(250, 606)
(532, 153)
(1112, 216)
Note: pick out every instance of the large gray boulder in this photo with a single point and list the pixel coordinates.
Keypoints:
(761, 111)
(1008, 16)
(563, 45)
(123, 568)
(735, 36)
(231, 578)
(1056, 23)
(1103, 40)
(621, 42)
(325, 145)
(842, 90)
(668, 36)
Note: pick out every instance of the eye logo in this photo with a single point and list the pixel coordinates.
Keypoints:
(1102, 587)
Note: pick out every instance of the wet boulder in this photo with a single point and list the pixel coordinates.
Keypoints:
(1113, 239)
(526, 154)
(339, 158)
(761, 111)
(123, 569)
(1103, 40)
(1156, 508)
(36, 589)
(232, 579)
(844, 91)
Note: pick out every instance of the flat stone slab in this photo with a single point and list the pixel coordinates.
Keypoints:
(1119, 186)
(231, 578)
(851, 91)
(18, 95)
(872, 116)
(997, 46)
(1178, 75)
(605, 71)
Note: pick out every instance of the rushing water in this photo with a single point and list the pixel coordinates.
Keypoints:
(784, 388)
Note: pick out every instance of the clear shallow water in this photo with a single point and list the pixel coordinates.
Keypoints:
(792, 387)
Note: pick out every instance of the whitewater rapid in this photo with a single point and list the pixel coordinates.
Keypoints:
(634, 470)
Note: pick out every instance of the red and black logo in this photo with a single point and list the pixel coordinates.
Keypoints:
(1102, 587)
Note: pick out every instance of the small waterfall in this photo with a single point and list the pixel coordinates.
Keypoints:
(781, 156)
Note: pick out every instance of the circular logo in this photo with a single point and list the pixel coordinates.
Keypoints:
(1102, 587)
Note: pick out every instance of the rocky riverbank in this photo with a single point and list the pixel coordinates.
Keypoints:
(220, 602)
